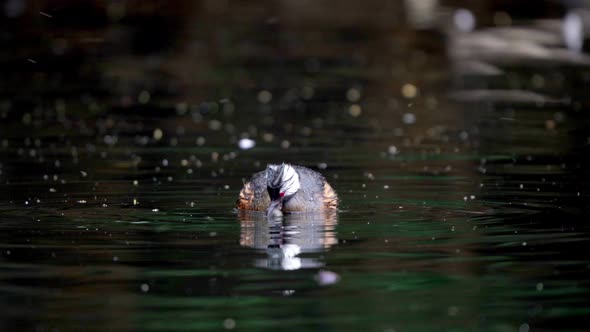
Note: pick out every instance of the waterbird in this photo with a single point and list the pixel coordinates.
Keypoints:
(284, 188)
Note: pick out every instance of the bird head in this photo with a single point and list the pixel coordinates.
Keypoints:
(282, 182)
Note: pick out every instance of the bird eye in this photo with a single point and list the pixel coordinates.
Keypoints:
(274, 193)
(281, 194)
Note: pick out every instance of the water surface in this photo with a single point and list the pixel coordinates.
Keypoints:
(463, 200)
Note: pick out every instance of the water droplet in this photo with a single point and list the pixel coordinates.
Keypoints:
(326, 278)
(524, 328)
(110, 139)
(353, 95)
(264, 96)
(464, 20)
(158, 134)
(453, 311)
(464, 135)
(144, 97)
(229, 324)
(355, 110)
(409, 90)
(246, 143)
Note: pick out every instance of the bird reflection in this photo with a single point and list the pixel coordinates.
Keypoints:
(284, 239)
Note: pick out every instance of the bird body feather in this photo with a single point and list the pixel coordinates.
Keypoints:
(314, 194)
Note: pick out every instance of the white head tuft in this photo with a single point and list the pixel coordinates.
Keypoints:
(284, 177)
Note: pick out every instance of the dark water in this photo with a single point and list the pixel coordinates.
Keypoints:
(463, 194)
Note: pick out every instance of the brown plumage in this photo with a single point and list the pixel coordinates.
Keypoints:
(301, 190)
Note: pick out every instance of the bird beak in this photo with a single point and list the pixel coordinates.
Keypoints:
(274, 209)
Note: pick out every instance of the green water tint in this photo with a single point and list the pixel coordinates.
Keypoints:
(117, 208)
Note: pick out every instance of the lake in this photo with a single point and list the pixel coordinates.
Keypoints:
(128, 129)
